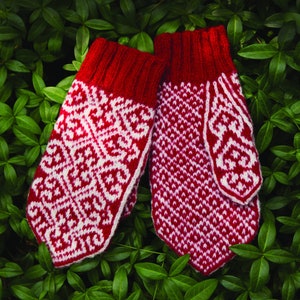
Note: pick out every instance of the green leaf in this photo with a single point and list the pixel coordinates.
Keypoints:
(143, 42)
(235, 29)
(37, 29)
(99, 24)
(128, 9)
(20, 104)
(232, 283)
(179, 264)
(202, 290)
(32, 155)
(85, 266)
(28, 123)
(76, 64)
(53, 18)
(264, 137)
(295, 247)
(170, 27)
(259, 274)
(38, 83)
(266, 235)
(5, 110)
(59, 281)
(17, 160)
(35, 272)
(45, 112)
(295, 107)
(289, 221)
(197, 20)
(105, 268)
(246, 251)
(281, 177)
(44, 257)
(288, 291)
(283, 124)
(82, 9)
(10, 173)
(172, 290)
(55, 94)
(72, 16)
(25, 137)
(136, 295)
(279, 256)
(10, 270)
(55, 42)
(22, 292)
(4, 151)
(16, 66)
(287, 33)
(222, 12)
(277, 202)
(183, 282)
(263, 294)
(150, 271)
(104, 285)
(258, 51)
(3, 75)
(117, 254)
(49, 284)
(269, 184)
(284, 152)
(82, 42)
(75, 281)
(243, 296)
(94, 294)
(297, 140)
(7, 33)
(28, 4)
(275, 20)
(3, 229)
(6, 123)
(120, 284)
(16, 21)
(4, 215)
(140, 226)
(277, 68)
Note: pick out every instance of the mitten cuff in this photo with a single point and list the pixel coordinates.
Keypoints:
(123, 71)
(195, 56)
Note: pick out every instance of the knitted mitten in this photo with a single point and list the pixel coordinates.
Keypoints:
(96, 152)
(204, 167)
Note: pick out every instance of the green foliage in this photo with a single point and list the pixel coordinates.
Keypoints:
(42, 45)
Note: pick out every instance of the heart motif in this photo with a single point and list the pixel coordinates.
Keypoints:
(90, 163)
(228, 136)
(55, 158)
(136, 119)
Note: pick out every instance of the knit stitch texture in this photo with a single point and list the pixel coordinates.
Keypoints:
(96, 152)
(204, 167)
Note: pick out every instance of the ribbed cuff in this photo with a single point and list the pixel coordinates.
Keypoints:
(195, 56)
(123, 71)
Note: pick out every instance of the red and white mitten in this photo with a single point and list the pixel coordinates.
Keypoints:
(96, 152)
(204, 167)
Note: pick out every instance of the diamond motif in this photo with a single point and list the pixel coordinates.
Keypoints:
(93, 159)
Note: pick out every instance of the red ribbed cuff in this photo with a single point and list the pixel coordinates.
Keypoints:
(195, 56)
(123, 71)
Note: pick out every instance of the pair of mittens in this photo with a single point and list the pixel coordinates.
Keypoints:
(204, 169)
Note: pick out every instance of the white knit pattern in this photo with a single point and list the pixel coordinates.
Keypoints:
(92, 161)
(228, 135)
(189, 211)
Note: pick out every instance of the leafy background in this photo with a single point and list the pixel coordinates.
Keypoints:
(43, 43)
